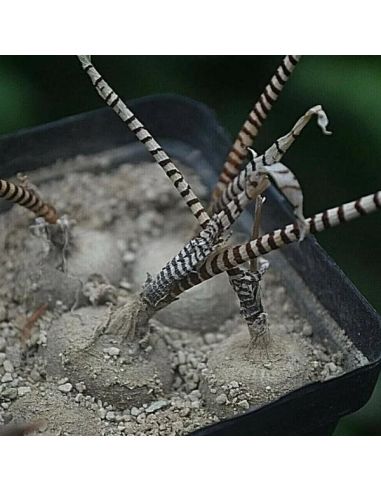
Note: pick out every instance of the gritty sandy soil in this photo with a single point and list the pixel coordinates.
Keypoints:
(60, 366)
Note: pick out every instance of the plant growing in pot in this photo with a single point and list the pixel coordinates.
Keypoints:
(224, 385)
(59, 257)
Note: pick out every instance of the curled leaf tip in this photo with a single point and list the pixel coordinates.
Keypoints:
(322, 120)
(84, 59)
(253, 153)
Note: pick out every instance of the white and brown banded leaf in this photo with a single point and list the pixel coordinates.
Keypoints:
(157, 289)
(27, 197)
(253, 123)
(234, 256)
(145, 137)
(271, 156)
(274, 153)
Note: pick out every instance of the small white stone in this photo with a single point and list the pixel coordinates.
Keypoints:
(185, 412)
(234, 392)
(102, 413)
(110, 416)
(195, 395)
(7, 378)
(181, 357)
(112, 351)
(135, 411)
(23, 390)
(63, 381)
(8, 367)
(222, 399)
(9, 393)
(210, 338)
(125, 285)
(244, 404)
(42, 338)
(65, 388)
(331, 366)
(156, 405)
(268, 388)
(35, 375)
(129, 257)
(80, 387)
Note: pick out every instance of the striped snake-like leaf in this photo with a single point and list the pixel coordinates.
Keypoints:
(179, 267)
(199, 248)
(268, 163)
(253, 123)
(145, 137)
(29, 199)
(247, 184)
(232, 257)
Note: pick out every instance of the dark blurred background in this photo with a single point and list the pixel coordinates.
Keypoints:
(332, 170)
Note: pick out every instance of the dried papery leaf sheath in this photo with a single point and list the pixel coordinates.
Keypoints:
(246, 284)
(234, 256)
(253, 123)
(144, 136)
(29, 199)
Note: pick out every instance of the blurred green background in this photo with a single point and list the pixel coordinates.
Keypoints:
(332, 170)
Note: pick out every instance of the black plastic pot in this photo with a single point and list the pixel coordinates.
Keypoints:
(189, 131)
